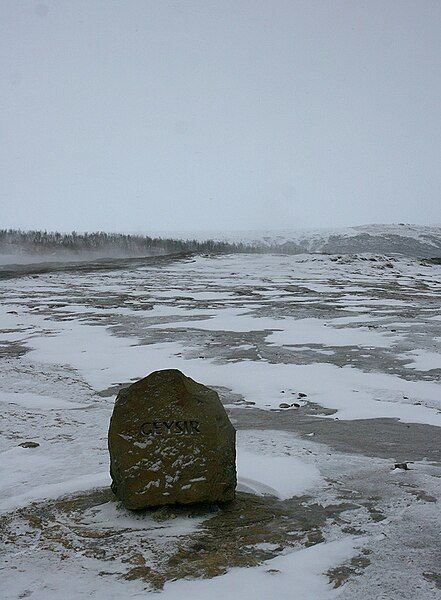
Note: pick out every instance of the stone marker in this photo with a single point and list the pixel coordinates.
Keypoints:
(171, 442)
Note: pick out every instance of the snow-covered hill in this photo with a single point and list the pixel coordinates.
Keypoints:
(411, 240)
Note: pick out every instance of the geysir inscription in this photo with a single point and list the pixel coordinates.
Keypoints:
(171, 442)
(170, 428)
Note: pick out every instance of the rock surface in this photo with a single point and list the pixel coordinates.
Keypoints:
(171, 442)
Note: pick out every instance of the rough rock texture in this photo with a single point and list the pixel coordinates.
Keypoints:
(171, 442)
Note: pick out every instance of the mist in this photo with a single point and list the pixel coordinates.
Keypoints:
(202, 115)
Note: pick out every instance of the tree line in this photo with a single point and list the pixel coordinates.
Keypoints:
(53, 242)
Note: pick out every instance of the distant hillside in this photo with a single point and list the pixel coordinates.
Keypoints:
(37, 246)
(410, 240)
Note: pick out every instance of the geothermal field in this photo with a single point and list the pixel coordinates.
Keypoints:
(220, 300)
(328, 367)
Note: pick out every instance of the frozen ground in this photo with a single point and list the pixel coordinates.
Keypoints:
(350, 344)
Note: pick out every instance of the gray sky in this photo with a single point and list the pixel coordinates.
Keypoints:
(171, 115)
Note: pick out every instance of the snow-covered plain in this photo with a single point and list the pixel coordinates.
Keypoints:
(345, 339)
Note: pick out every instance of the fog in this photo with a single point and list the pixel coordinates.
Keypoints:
(219, 115)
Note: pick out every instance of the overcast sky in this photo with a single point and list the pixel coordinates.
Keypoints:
(140, 115)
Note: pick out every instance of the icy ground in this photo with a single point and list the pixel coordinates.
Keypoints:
(350, 346)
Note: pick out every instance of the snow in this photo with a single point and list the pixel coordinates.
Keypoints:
(424, 360)
(313, 239)
(36, 401)
(114, 517)
(104, 360)
(299, 573)
(281, 476)
(315, 331)
(49, 490)
(292, 331)
(303, 323)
